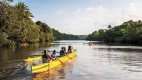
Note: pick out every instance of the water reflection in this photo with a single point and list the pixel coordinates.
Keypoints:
(129, 59)
(99, 61)
(21, 52)
(58, 73)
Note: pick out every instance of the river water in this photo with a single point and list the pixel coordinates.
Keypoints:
(98, 61)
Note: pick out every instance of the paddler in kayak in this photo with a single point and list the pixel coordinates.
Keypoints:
(53, 55)
(62, 52)
(65, 50)
(45, 57)
(69, 49)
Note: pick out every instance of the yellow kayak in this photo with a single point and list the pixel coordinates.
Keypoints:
(29, 59)
(47, 66)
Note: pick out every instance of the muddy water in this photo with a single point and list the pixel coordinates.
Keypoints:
(98, 61)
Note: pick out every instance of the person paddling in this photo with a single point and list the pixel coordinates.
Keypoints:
(62, 52)
(65, 50)
(45, 57)
(69, 49)
(53, 55)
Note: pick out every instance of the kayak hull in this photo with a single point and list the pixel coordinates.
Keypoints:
(47, 66)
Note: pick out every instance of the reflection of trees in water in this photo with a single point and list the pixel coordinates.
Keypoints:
(11, 60)
(126, 54)
(21, 52)
(58, 73)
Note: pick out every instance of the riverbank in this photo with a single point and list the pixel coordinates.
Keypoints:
(18, 28)
(129, 32)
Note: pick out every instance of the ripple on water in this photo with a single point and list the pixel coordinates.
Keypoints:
(96, 62)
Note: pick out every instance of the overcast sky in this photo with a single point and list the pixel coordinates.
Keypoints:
(84, 16)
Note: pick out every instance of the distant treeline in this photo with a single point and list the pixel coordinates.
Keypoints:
(63, 36)
(129, 32)
(17, 26)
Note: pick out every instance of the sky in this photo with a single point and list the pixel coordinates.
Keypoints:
(82, 17)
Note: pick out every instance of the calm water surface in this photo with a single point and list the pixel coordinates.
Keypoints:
(96, 62)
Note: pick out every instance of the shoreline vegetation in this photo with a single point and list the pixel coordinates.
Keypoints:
(129, 32)
(18, 29)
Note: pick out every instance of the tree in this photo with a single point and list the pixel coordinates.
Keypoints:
(45, 32)
(17, 26)
(109, 26)
(128, 32)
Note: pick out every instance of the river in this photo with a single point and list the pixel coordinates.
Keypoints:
(98, 61)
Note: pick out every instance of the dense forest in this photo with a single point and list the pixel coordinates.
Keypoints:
(17, 26)
(129, 32)
(63, 36)
(82, 37)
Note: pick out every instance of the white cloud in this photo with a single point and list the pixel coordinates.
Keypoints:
(89, 8)
(133, 12)
(77, 11)
(87, 20)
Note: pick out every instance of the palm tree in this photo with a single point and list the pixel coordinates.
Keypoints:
(23, 11)
(109, 26)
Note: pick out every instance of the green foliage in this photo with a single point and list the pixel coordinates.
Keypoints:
(63, 36)
(128, 32)
(4, 42)
(97, 35)
(16, 23)
(16, 26)
(82, 37)
(45, 32)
